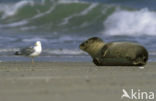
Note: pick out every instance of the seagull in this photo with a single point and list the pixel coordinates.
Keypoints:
(31, 51)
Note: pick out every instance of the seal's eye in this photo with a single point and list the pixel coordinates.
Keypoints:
(82, 45)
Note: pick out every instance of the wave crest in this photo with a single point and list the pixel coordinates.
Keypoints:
(133, 23)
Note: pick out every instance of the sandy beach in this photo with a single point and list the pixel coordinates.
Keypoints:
(71, 81)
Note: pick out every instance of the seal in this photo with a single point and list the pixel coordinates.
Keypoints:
(115, 53)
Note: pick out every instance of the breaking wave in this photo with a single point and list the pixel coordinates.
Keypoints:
(75, 16)
(135, 23)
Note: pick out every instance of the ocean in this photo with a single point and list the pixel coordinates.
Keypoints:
(61, 25)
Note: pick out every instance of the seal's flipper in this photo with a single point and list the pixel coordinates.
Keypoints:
(96, 62)
(140, 60)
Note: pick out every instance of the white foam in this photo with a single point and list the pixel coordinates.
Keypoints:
(28, 28)
(9, 50)
(64, 52)
(70, 1)
(11, 9)
(134, 23)
(44, 13)
(87, 10)
(15, 24)
(84, 12)
(152, 53)
(25, 21)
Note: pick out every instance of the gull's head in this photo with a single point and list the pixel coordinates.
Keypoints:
(38, 43)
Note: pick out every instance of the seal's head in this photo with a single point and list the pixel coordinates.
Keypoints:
(89, 43)
(92, 45)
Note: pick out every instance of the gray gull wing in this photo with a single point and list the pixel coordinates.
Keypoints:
(27, 51)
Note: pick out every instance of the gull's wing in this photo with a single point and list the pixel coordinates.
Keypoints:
(27, 51)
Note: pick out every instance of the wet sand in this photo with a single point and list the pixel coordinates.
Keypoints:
(69, 81)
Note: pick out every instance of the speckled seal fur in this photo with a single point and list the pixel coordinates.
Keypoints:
(115, 53)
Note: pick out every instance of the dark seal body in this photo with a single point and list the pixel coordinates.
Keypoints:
(115, 53)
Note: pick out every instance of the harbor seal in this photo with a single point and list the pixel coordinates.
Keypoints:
(115, 53)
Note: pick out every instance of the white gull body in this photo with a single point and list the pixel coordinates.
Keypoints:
(31, 51)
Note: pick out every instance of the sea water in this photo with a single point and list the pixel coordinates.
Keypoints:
(61, 25)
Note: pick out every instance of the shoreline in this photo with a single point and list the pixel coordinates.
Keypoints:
(71, 81)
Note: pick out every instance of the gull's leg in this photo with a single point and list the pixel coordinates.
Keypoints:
(32, 60)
